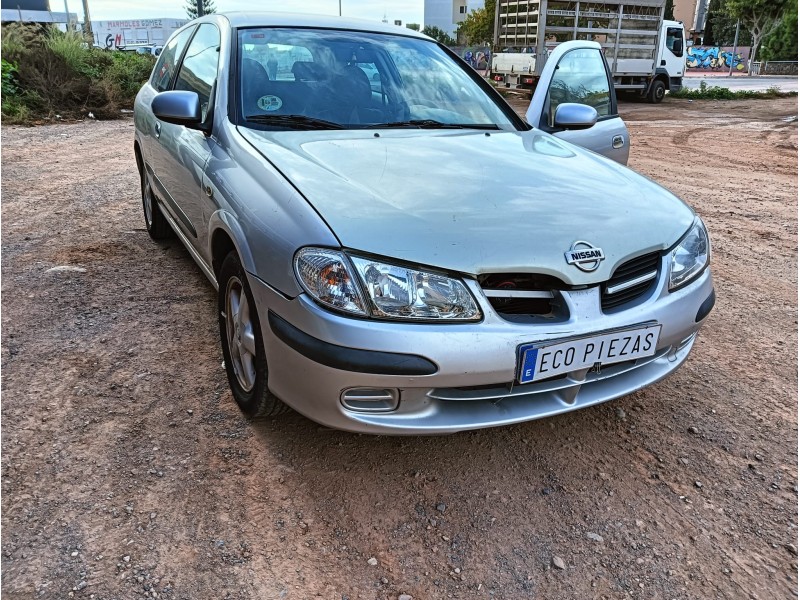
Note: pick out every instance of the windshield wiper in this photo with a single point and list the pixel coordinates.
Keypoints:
(293, 121)
(433, 124)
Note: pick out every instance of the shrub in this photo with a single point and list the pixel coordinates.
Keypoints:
(9, 86)
(57, 73)
(715, 92)
(126, 74)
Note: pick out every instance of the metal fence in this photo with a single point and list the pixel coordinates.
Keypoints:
(775, 67)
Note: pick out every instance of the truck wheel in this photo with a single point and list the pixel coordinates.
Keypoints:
(657, 92)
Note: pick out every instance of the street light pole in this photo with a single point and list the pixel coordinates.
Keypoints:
(735, 43)
(340, 8)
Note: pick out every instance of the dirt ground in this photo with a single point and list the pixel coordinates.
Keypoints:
(128, 471)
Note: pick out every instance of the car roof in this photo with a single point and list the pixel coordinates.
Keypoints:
(287, 19)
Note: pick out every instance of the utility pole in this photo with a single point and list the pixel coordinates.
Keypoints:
(735, 43)
(340, 8)
(87, 21)
(199, 8)
(69, 23)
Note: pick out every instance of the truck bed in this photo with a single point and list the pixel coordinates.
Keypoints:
(626, 29)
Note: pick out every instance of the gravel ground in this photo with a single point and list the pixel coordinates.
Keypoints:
(128, 472)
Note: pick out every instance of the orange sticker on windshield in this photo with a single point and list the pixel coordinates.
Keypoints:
(269, 103)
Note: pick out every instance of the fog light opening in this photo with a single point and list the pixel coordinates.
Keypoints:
(370, 400)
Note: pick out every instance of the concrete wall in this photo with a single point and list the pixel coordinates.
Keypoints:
(716, 58)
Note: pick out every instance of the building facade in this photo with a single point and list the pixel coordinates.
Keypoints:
(113, 34)
(34, 11)
(693, 14)
(447, 14)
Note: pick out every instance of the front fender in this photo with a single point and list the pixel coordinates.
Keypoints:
(223, 220)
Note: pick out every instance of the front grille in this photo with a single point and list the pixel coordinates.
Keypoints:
(631, 280)
(523, 295)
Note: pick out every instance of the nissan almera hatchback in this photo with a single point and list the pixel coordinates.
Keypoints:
(395, 250)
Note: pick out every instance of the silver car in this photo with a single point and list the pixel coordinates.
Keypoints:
(403, 254)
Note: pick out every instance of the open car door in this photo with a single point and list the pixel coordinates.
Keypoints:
(575, 77)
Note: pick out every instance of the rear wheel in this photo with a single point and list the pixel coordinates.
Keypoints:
(156, 224)
(657, 92)
(242, 343)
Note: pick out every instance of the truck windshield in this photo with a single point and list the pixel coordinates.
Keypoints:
(320, 78)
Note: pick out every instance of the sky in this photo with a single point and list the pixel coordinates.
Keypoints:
(409, 11)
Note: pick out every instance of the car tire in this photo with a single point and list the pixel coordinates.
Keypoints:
(154, 220)
(242, 343)
(657, 92)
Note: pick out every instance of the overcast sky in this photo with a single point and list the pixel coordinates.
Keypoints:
(409, 11)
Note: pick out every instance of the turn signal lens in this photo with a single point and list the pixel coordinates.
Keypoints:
(324, 274)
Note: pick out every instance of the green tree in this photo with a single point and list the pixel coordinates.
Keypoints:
(760, 17)
(721, 27)
(191, 8)
(669, 10)
(439, 35)
(414, 26)
(478, 26)
(781, 44)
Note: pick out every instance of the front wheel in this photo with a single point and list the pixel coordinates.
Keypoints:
(657, 92)
(242, 343)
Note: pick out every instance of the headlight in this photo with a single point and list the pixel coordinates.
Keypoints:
(403, 293)
(690, 256)
(384, 290)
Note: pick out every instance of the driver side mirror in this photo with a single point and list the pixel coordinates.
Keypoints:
(179, 108)
(573, 116)
(677, 46)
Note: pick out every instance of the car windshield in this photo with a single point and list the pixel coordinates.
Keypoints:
(330, 79)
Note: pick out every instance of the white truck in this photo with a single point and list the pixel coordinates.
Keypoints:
(645, 53)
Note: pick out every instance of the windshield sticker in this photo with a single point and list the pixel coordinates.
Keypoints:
(269, 103)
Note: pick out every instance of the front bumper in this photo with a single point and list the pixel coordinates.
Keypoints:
(475, 364)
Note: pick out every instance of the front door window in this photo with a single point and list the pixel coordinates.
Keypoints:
(580, 77)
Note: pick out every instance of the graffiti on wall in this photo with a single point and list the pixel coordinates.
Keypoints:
(716, 58)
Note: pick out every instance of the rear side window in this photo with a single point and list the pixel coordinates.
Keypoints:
(165, 67)
(199, 69)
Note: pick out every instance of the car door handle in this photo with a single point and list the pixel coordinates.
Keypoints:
(158, 130)
(617, 141)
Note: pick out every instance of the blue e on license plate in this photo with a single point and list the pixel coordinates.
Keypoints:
(537, 361)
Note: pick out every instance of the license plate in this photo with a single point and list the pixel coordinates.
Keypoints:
(537, 361)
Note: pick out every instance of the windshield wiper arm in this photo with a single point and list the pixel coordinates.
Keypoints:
(293, 121)
(433, 124)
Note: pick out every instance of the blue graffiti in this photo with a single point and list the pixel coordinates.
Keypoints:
(698, 57)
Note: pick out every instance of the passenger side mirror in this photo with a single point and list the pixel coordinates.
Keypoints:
(178, 107)
(573, 116)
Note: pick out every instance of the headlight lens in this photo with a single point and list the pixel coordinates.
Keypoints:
(403, 293)
(393, 291)
(324, 274)
(690, 256)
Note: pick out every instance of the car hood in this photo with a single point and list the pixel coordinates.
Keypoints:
(472, 202)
